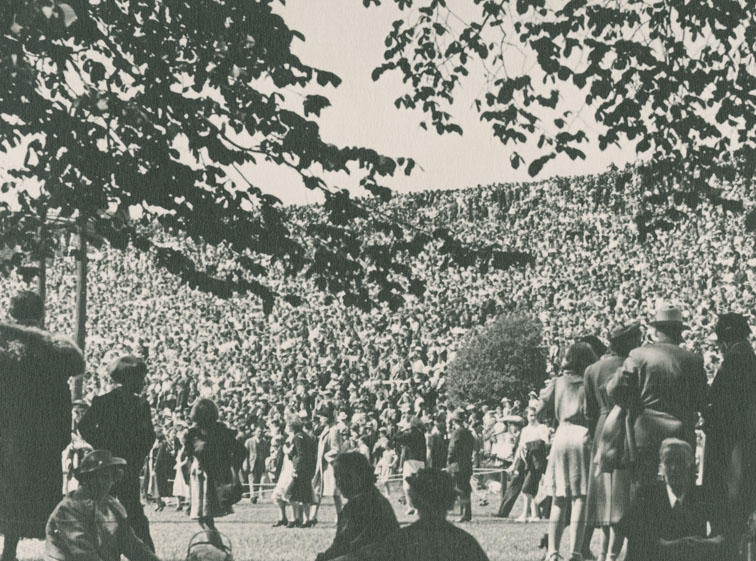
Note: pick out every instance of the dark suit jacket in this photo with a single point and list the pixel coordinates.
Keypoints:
(120, 421)
(461, 448)
(365, 519)
(651, 518)
(668, 390)
(437, 450)
(730, 421)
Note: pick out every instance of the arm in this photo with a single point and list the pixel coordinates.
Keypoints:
(145, 429)
(546, 404)
(591, 400)
(71, 534)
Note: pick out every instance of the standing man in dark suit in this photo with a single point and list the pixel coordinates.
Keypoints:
(667, 520)
(438, 445)
(730, 424)
(257, 453)
(120, 422)
(460, 462)
(664, 388)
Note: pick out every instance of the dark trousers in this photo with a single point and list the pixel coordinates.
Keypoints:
(127, 491)
(510, 496)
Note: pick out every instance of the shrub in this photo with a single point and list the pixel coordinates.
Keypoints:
(502, 359)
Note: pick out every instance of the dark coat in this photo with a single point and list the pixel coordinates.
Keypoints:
(217, 451)
(365, 519)
(730, 422)
(665, 387)
(120, 421)
(35, 424)
(651, 518)
(438, 448)
(413, 441)
(424, 540)
(461, 448)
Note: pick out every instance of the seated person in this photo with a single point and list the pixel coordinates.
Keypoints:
(89, 524)
(367, 517)
(431, 538)
(667, 521)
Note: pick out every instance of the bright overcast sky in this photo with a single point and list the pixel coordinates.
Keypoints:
(344, 37)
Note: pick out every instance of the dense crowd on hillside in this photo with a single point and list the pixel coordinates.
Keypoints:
(590, 273)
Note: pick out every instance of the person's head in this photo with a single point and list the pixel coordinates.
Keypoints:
(431, 492)
(678, 463)
(530, 415)
(353, 474)
(731, 328)
(625, 338)
(258, 432)
(513, 427)
(129, 371)
(579, 357)
(597, 345)
(295, 425)
(668, 324)
(204, 413)
(27, 308)
(99, 471)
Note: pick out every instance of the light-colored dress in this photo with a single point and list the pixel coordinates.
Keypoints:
(281, 490)
(180, 487)
(569, 461)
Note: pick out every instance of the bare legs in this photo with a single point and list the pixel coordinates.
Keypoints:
(577, 525)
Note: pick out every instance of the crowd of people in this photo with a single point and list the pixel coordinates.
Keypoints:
(301, 385)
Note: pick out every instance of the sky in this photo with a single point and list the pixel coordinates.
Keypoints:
(346, 38)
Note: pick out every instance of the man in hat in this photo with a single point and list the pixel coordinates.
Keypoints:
(120, 422)
(608, 493)
(35, 420)
(664, 387)
(460, 462)
(89, 523)
(730, 424)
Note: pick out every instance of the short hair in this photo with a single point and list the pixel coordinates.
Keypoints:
(204, 412)
(357, 465)
(27, 305)
(670, 445)
(579, 357)
(432, 489)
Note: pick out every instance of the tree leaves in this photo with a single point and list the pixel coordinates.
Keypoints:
(314, 104)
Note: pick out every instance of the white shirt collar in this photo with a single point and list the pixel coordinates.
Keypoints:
(674, 498)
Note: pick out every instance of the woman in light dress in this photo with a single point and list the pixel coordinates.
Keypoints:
(280, 495)
(569, 461)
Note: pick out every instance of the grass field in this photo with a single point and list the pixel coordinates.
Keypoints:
(253, 538)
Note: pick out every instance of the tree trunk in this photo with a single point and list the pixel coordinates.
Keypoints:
(81, 299)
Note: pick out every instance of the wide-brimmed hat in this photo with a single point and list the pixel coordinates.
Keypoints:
(127, 367)
(98, 460)
(458, 416)
(666, 315)
(625, 331)
(513, 419)
(27, 305)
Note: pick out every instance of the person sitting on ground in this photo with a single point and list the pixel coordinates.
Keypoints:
(368, 517)
(89, 524)
(667, 520)
(431, 537)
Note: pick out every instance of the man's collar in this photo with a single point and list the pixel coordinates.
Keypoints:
(674, 498)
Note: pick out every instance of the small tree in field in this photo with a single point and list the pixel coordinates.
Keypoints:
(503, 359)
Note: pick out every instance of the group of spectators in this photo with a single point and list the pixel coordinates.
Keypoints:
(381, 375)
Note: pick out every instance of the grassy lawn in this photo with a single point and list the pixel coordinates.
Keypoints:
(253, 538)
